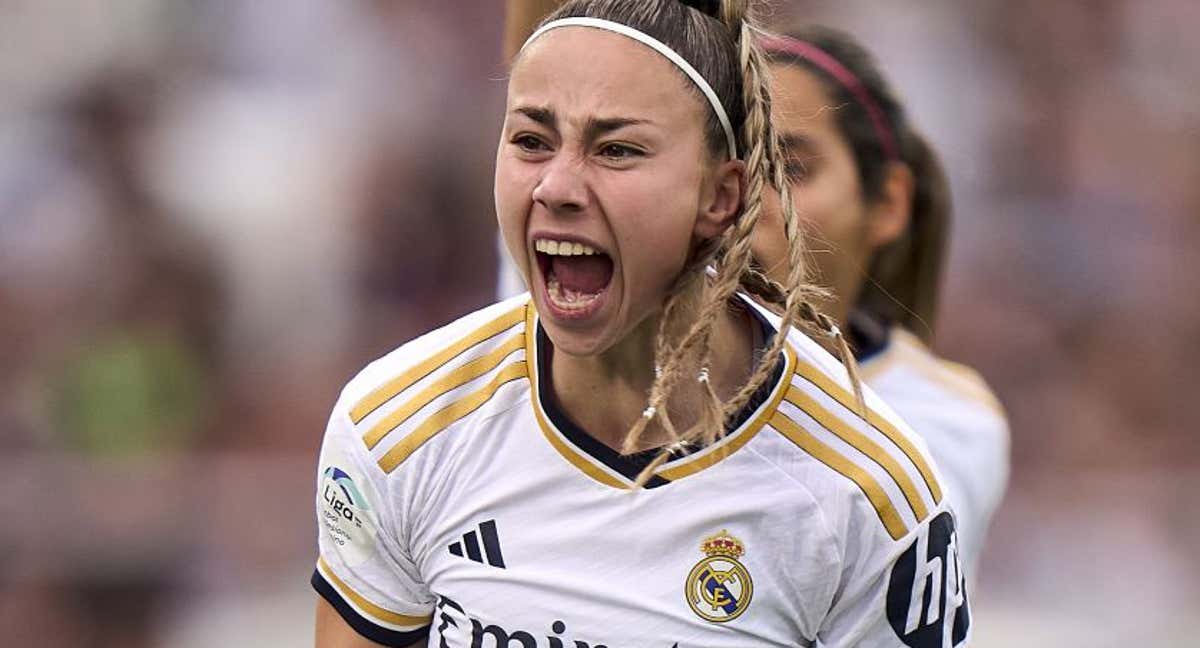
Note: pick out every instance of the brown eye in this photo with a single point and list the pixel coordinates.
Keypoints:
(797, 170)
(619, 152)
(530, 143)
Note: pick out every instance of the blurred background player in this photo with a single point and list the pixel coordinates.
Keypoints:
(874, 192)
(878, 205)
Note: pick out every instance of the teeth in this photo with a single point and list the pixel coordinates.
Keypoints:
(562, 248)
(568, 299)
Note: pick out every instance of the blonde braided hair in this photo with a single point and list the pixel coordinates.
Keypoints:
(735, 270)
(729, 256)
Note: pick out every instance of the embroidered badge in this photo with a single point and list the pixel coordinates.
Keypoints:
(719, 588)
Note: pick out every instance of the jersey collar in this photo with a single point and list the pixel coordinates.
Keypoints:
(611, 468)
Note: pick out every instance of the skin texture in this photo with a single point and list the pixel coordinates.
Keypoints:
(845, 230)
(649, 208)
(645, 193)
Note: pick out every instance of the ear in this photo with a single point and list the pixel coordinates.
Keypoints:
(889, 216)
(722, 199)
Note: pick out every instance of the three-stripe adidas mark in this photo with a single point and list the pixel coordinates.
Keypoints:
(491, 545)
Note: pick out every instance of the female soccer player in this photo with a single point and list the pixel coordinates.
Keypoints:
(636, 454)
(875, 194)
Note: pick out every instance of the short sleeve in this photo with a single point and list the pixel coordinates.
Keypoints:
(906, 593)
(971, 446)
(364, 569)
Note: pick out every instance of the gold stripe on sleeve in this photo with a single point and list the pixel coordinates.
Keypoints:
(885, 427)
(453, 380)
(863, 444)
(390, 389)
(382, 614)
(449, 414)
(828, 456)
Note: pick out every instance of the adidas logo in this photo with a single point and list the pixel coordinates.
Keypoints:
(471, 544)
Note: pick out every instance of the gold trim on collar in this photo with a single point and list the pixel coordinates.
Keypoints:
(671, 471)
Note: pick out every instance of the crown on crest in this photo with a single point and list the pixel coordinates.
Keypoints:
(723, 544)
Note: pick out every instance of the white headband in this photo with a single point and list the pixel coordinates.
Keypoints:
(659, 47)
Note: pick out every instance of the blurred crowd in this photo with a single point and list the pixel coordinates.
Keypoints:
(212, 212)
(1071, 132)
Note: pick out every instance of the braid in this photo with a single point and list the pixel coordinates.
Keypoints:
(666, 358)
(831, 329)
(732, 256)
(771, 292)
(797, 293)
(754, 67)
(720, 268)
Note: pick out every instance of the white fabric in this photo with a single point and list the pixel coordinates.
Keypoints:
(661, 48)
(509, 282)
(953, 409)
(579, 553)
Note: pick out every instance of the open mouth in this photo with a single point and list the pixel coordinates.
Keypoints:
(576, 275)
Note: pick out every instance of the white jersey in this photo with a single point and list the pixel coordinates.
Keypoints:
(948, 404)
(509, 282)
(951, 407)
(455, 501)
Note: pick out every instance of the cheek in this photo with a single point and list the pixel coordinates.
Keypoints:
(652, 221)
(769, 239)
(512, 186)
(513, 196)
(831, 206)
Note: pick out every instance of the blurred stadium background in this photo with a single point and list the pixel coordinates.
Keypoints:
(213, 211)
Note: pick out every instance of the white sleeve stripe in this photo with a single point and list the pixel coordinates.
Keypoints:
(866, 482)
(443, 418)
(402, 382)
(864, 445)
(451, 383)
(843, 397)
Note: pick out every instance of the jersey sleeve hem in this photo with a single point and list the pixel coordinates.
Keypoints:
(368, 619)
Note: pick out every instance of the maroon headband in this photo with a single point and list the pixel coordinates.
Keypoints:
(831, 66)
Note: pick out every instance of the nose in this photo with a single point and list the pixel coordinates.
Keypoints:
(562, 187)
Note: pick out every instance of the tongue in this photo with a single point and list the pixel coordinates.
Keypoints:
(583, 274)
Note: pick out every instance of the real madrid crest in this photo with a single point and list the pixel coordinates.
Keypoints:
(719, 587)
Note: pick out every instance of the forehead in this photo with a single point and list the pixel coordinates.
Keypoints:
(583, 72)
(799, 101)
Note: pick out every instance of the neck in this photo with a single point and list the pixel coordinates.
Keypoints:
(606, 393)
(837, 306)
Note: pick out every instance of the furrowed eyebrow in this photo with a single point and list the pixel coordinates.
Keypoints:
(597, 127)
(543, 116)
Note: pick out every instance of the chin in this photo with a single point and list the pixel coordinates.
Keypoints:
(577, 343)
